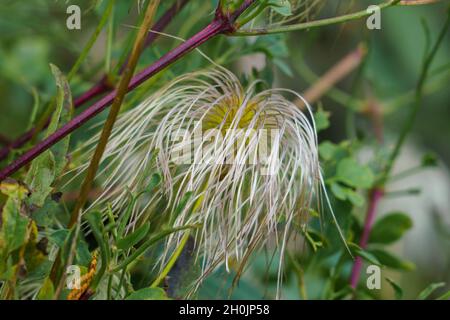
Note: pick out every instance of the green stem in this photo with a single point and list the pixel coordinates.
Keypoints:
(172, 260)
(378, 192)
(418, 103)
(315, 24)
(114, 111)
(147, 244)
(92, 40)
(109, 44)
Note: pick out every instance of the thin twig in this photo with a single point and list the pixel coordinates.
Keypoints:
(315, 24)
(339, 71)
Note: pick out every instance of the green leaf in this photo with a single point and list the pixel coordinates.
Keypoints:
(148, 294)
(429, 290)
(390, 228)
(283, 66)
(397, 289)
(358, 251)
(182, 204)
(154, 182)
(282, 7)
(445, 296)
(429, 160)
(344, 193)
(45, 216)
(273, 46)
(338, 191)
(123, 219)
(133, 238)
(95, 222)
(148, 243)
(327, 150)
(49, 165)
(353, 174)
(40, 178)
(321, 118)
(61, 238)
(13, 232)
(58, 237)
(47, 290)
(391, 261)
(314, 239)
(83, 256)
(122, 222)
(355, 198)
(62, 115)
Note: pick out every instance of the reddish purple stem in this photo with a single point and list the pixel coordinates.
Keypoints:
(221, 24)
(102, 86)
(375, 198)
(4, 140)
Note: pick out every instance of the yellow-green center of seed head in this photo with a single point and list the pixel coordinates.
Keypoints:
(230, 113)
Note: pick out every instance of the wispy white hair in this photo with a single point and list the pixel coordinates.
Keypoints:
(237, 204)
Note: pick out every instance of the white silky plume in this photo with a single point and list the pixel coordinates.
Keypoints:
(238, 204)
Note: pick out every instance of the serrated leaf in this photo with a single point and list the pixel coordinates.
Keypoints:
(133, 238)
(45, 215)
(13, 232)
(148, 294)
(353, 174)
(49, 165)
(40, 178)
(390, 228)
(62, 115)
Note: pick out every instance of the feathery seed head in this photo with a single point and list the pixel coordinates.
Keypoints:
(249, 159)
